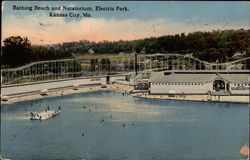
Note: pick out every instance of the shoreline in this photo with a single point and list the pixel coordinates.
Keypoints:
(127, 89)
(198, 98)
(62, 92)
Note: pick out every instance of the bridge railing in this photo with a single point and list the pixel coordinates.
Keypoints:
(71, 68)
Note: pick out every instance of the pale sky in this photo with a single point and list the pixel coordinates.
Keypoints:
(144, 19)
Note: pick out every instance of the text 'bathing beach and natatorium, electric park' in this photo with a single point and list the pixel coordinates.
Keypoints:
(70, 8)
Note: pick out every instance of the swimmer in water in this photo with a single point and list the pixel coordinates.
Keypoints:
(102, 120)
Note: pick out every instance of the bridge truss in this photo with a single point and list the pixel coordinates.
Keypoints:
(87, 67)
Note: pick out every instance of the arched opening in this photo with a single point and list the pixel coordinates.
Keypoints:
(219, 85)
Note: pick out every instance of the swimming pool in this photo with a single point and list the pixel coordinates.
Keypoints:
(113, 126)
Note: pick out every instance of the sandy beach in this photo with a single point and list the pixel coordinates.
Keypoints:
(127, 89)
(204, 98)
(174, 97)
(116, 87)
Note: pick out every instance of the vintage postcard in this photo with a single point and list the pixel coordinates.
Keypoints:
(125, 80)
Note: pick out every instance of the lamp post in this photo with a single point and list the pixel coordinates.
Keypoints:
(136, 63)
(217, 64)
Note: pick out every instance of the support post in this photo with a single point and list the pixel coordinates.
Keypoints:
(136, 63)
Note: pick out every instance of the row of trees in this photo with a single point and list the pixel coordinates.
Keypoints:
(220, 44)
(18, 51)
(101, 47)
(208, 46)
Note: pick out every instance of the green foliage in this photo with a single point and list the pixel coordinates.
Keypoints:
(221, 45)
(213, 55)
(207, 46)
(18, 51)
(44, 53)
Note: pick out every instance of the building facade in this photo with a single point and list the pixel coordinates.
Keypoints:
(200, 82)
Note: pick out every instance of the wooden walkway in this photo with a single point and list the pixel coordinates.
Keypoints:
(45, 115)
